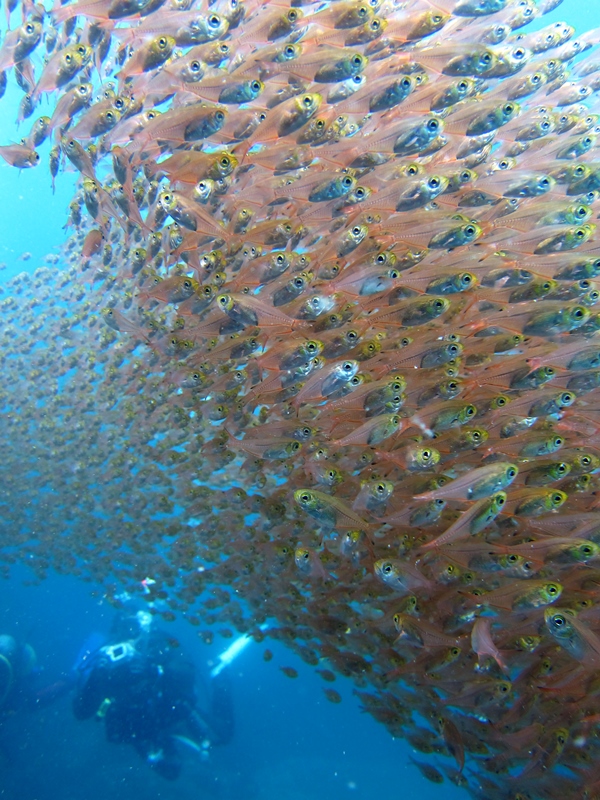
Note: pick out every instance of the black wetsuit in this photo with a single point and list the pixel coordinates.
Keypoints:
(146, 693)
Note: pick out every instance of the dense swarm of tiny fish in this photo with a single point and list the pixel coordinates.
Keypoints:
(324, 352)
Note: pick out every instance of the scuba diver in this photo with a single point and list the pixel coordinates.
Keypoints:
(17, 671)
(143, 687)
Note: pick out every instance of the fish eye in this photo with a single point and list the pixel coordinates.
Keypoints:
(356, 230)
(519, 53)
(360, 192)
(433, 125)
(470, 410)
(357, 60)
(486, 58)
(433, 183)
(436, 19)
(289, 51)
(511, 472)
(512, 558)
(387, 569)
(68, 58)
(347, 181)
(578, 312)
(292, 15)
(558, 441)
(504, 164)
(307, 101)
(470, 230)
(29, 28)
(412, 169)
(508, 108)
(162, 42)
(465, 176)
(255, 85)
(362, 11)
(375, 24)
(195, 66)
(214, 21)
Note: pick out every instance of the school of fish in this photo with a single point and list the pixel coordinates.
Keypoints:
(322, 351)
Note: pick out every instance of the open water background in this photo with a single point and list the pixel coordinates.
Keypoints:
(290, 742)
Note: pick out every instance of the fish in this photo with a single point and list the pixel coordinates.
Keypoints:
(479, 483)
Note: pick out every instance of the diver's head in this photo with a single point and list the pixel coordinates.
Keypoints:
(22, 659)
(130, 626)
(8, 646)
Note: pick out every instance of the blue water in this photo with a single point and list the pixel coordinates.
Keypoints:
(290, 742)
